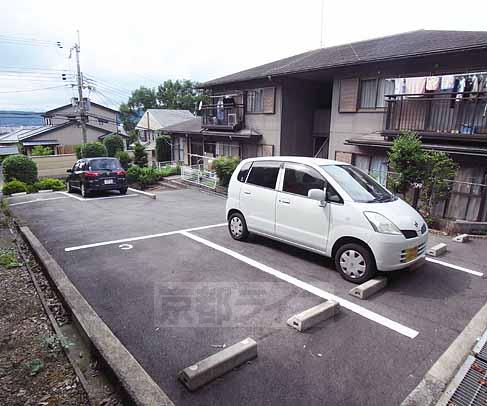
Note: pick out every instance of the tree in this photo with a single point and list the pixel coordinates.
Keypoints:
(113, 143)
(140, 155)
(172, 94)
(180, 94)
(163, 148)
(93, 150)
(407, 160)
(224, 167)
(440, 171)
(124, 158)
(20, 167)
(41, 150)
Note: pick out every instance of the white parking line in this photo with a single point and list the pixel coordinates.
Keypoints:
(458, 268)
(142, 237)
(37, 200)
(397, 327)
(91, 199)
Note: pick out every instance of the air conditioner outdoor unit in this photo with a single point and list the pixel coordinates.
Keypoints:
(232, 119)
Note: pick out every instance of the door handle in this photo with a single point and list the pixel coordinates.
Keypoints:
(247, 192)
(285, 201)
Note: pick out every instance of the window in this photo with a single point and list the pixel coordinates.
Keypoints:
(178, 149)
(360, 187)
(375, 166)
(300, 179)
(242, 175)
(332, 195)
(104, 164)
(255, 101)
(372, 92)
(264, 174)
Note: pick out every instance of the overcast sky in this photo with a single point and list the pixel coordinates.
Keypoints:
(125, 45)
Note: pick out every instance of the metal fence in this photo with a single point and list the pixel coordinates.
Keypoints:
(197, 174)
(466, 200)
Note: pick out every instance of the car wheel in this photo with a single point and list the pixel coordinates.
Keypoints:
(84, 192)
(355, 263)
(69, 187)
(238, 227)
(123, 191)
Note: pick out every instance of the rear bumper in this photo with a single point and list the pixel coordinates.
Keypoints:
(390, 251)
(99, 185)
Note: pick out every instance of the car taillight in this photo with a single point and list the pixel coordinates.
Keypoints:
(91, 174)
(120, 173)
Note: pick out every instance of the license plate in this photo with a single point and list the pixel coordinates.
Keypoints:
(411, 253)
(108, 182)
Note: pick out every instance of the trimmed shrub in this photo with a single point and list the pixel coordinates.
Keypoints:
(113, 143)
(224, 167)
(140, 155)
(50, 183)
(77, 151)
(148, 176)
(93, 150)
(163, 148)
(14, 186)
(20, 167)
(41, 150)
(124, 158)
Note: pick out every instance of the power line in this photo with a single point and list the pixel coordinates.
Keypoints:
(34, 90)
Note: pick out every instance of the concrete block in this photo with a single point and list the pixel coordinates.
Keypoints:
(310, 317)
(437, 250)
(18, 194)
(461, 238)
(218, 364)
(368, 288)
(45, 191)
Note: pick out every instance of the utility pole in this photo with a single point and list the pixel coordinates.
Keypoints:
(81, 104)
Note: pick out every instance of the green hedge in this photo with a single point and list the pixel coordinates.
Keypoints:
(124, 158)
(224, 167)
(14, 186)
(91, 150)
(20, 167)
(148, 176)
(50, 183)
(113, 143)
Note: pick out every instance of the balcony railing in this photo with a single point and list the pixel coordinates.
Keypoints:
(223, 117)
(446, 115)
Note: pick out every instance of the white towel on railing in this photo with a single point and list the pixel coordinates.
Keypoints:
(415, 85)
(447, 82)
(432, 83)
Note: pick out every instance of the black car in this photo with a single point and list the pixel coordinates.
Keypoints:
(97, 174)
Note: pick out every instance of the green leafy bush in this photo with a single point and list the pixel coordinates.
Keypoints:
(14, 186)
(93, 150)
(124, 158)
(148, 176)
(20, 167)
(50, 183)
(77, 151)
(163, 148)
(113, 143)
(140, 155)
(224, 167)
(41, 150)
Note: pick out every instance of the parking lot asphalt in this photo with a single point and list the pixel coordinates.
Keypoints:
(173, 298)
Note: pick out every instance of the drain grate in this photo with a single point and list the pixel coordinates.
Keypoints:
(472, 390)
(480, 350)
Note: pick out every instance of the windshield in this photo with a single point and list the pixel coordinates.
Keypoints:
(105, 164)
(361, 187)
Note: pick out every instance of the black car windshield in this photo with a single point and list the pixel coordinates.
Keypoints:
(104, 164)
(360, 186)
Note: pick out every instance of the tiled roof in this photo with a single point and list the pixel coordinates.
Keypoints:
(190, 126)
(415, 43)
(165, 117)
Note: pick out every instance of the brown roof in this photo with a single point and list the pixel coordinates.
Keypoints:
(409, 44)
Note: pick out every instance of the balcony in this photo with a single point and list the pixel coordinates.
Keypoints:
(225, 117)
(447, 116)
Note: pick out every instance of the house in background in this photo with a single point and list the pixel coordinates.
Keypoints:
(349, 102)
(153, 123)
(62, 129)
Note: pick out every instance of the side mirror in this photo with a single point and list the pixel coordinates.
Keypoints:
(318, 195)
(69, 170)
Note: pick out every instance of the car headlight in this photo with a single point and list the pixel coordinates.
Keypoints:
(381, 224)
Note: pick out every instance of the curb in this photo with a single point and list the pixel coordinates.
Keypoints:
(138, 384)
(151, 195)
(444, 369)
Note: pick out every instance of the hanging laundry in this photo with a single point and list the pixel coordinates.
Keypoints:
(475, 84)
(460, 88)
(432, 83)
(415, 85)
(399, 86)
(447, 82)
